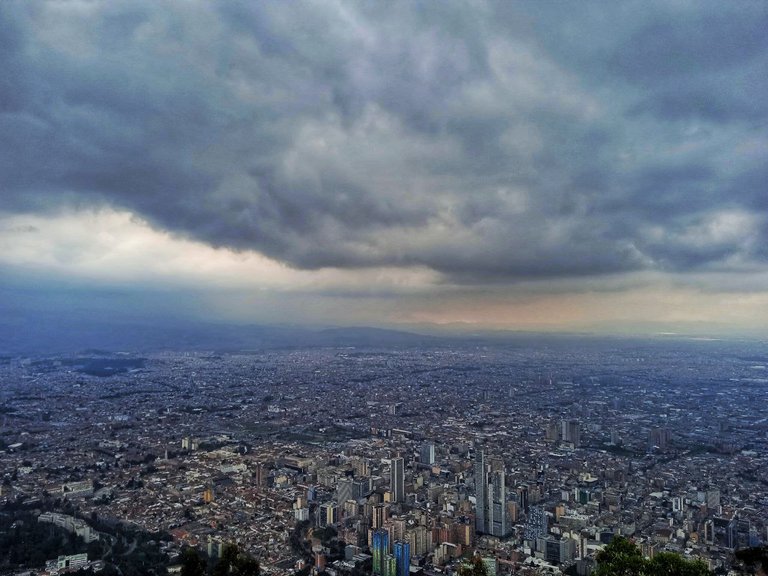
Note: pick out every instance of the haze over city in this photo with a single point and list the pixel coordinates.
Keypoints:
(518, 165)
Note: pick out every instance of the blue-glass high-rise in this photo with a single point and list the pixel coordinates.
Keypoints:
(380, 550)
(403, 558)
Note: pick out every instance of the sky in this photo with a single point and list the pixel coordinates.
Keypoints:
(524, 165)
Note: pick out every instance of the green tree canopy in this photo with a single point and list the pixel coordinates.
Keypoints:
(474, 567)
(622, 558)
(670, 564)
(192, 564)
(236, 563)
(754, 559)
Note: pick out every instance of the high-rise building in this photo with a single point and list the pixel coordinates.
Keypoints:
(556, 550)
(380, 550)
(351, 489)
(403, 558)
(397, 479)
(343, 490)
(497, 505)
(420, 540)
(659, 439)
(390, 565)
(380, 515)
(329, 514)
(361, 487)
(522, 498)
(480, 484)
(536, 524)
(552, 432)
(712, 499)
(491, 496)
(427, 453)
(571, 432)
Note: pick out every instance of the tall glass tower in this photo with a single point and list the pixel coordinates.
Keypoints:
(481, 480)
(397, 479)
(403, 558)
(380, 550)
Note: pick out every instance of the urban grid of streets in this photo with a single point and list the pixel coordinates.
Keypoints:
(662, 440)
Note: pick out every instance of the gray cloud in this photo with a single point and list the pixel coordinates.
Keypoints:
(485, 141)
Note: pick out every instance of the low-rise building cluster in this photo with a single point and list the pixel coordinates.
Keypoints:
(402, 460)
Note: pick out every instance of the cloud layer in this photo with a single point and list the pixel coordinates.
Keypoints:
(477, 143)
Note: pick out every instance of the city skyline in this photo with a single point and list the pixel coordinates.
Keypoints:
(471, 165)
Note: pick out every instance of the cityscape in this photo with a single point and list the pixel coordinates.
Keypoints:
(531, 453)
(383, 288)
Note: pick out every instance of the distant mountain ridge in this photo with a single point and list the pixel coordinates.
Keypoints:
(47, 333)
(52, 336)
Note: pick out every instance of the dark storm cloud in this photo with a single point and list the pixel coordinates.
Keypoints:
(485, 141)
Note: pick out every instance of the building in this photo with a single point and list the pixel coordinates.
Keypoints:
(571, 432)
(427, 453)
(491, 496)
(659, 439)
(215, 547)
(350, 489)
(420, 540)
(67, 563)
(497, 506)
(397, 479)
(552, 432)
(390, 565)
(522, 498)
(402, 552)
(556, 550)
(380, 515)
(70, 524)
(329, 514)
(536, 526)
(77, 489)
(380, 550)
(480, 484)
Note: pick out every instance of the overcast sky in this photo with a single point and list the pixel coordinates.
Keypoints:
(526, 165)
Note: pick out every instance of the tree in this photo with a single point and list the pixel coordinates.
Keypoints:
(754, 559)
(475, 567)
(670, 564)
(191, 563)
(622, 558)
(236, 563)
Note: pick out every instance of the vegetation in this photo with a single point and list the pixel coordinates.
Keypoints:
(622, 558)
(25, 542)
(755, 560)
(475, 567)
(233, 562)
(192, 564)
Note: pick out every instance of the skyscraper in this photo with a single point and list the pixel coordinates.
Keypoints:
(380, 515)
(497, 505)
(480, 485)
(403, 558)
(536, 525)
(427, 453)
(343, 490)
(397, 479)
(491, 495)
(380, 550)
(571, 432)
